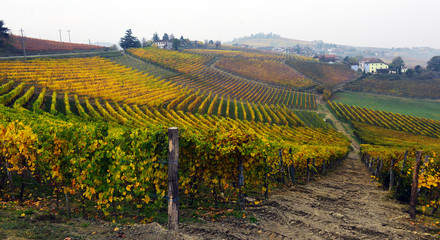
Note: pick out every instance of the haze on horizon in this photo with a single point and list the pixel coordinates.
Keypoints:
(389, 23)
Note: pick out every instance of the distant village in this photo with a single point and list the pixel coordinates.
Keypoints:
(333, 53)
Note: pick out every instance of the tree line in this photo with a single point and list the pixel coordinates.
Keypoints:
(130, 41)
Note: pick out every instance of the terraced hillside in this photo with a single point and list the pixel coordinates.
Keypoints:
(329, 74)
(197, 74)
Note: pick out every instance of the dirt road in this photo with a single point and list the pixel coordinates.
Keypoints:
(346, 204)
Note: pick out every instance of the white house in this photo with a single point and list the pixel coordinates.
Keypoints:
(355, 67)
(372, 65)
(164, 44)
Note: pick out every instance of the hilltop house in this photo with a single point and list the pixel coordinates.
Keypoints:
(164, 44)
(372, 65)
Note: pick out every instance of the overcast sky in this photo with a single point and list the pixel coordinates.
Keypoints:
(373, 23)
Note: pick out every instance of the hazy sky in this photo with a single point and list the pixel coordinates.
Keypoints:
(373, 23)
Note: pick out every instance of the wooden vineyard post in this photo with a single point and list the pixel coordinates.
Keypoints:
(403, 163)
(292, 168)
(391, 175)
(280, 153)
(308, 170)
(266, 180)
(378, 167)
(402, 171)
(68, 211)
(369, 163)
(173, 179)
(414, 186)
(381, 165)
(240, 185)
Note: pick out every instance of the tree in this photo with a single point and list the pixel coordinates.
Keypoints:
(211, 42)
(217, 44)
(350, 60)
(397, 64)
(434, 64)
(165, 37)
(155, 37)
(172, 36)
(409, 73)
(4, 34)
(129, 41)
(418, 69)
(326, 94)
(298, 49)
(175, 44)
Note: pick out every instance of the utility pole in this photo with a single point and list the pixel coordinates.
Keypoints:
(60, 35)
(68, 31)
(22, 43)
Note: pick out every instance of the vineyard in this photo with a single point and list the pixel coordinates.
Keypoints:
(270, 72)
(197, 75)
(414, 88)
(38, 46)
(250, 54)
(98, 78)
(392, 145)
(394, 121)
(93, 132)
(329, 74)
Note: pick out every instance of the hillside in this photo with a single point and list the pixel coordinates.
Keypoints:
(425, 85)
(269, 42)
(41, 46)
(329, 74)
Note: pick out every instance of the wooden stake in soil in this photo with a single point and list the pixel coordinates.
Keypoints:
(402, 172)
(414, 185)
(240, 185)
(68, 212)
(281, 166)
(291, 168)
(266, 181)
(173, 179)
(403, 163)
(308, 170)
(391, 174)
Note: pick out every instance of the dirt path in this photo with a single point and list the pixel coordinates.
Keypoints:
(337, 123)
(346, 204)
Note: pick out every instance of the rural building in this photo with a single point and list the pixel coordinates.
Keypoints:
(327, 58)
(372, 65)
(355, 67)
(164, 44)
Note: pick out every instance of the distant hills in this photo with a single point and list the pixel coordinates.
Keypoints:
(412, 56)
(279, 42)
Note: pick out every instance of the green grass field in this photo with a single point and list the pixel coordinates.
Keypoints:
(410, 106)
